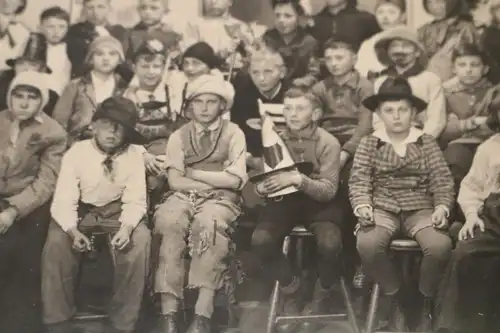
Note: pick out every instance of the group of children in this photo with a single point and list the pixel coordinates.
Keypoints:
(139, 132)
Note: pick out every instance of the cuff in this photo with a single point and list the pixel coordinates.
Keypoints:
(467, 125)
(358, 207)
(133, 223)
(22, 206)
(446, 209)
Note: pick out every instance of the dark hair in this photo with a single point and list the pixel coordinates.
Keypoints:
(337, 43)
(56, 12)
(469, 49)
(294, 3)
(460, 8)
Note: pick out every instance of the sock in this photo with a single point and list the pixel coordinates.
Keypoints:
(169, 304)
(205, 303)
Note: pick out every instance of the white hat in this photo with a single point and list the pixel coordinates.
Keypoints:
(276, 156)
(211, 84)
(273, 111)
(33, 79)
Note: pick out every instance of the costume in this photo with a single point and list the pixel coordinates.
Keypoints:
(203, 216)
(99, 190)
(425, 84)
(31, 153)
(469, 293)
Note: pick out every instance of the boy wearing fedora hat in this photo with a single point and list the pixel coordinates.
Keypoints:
(101, 185)
(33, 57)
(13, 34)
(312, 204)
(205, 164)
(31, 151)
(403, 55)
(400, 184)
(80, 98)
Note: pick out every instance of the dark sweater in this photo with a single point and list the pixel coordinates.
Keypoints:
(246, 106)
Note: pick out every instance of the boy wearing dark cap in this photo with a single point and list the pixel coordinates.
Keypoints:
(34, 58)
(32, 145)
(400, 184)
(101, 186)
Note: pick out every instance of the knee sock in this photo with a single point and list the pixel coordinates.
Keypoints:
(205, 303)
(169, 304)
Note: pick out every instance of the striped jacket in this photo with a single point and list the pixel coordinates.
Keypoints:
(384, 180)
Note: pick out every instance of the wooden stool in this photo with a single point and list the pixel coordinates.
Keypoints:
(408, 247)
(273, 318)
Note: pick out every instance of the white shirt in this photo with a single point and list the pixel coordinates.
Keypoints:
(82, 178)
(399, 147)
(103, 88)
(101, 30)
(58, 62)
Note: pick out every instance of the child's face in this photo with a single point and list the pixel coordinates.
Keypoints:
(97, 11)
(9, 7)
(151, 11)
(193, 67)
(299, 113)
(206, 108)
(54, 29)
(25, 103)
(397, 115)
(108, 134)
(339, 61)
(437, 8)
(389, 15)
(149, 70)
(266, 75)
(402, 52)
(105, 59)
(469, 69)
(286, 19)
(216, 8)
(23, 65)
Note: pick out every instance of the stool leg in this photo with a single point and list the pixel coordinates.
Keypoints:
(300, 256)
(372, 310)
(351, 315)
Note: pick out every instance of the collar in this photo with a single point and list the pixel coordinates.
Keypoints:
(310, 133)
(212, 127)
(38, 117)
(118, 152)
(142, 26)
(94, 78)
(120, 82)
(414, 70)
(299, 35)
(351, 80)
(275, 92)
(456, 86)
(412, 137)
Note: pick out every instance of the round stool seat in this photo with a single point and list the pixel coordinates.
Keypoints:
(404, 245)
(300, 231)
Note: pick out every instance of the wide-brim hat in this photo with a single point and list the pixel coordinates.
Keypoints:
(211, 84)
(35, 49)
(402, 32)
(394, 89)
(124, 112)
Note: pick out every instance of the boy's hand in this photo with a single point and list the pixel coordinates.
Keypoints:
(122, 238)
(154, 164)
(7, 218)
(365, 216)
(81, 243)
(282, 180)
(440, 218)
(467, 231)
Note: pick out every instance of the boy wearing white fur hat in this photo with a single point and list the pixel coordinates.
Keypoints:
(206, 168)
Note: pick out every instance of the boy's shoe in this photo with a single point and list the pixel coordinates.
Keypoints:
(291, 306)
(318, 305)
(167, 324)
(199, 324)
(425, 324)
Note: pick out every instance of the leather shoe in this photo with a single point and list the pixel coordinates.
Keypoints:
(318, 306)
(167, 324)
(199, 324)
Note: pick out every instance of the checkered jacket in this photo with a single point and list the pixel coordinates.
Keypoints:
(382, 179)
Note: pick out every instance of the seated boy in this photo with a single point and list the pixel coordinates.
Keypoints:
(31, 151)
(403, 55)
(205, 163)
(101, 185)
(466, 127)
(312, 206)
(264, 82)
(400, 184)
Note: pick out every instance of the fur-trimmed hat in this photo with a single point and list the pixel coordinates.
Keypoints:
(211, 84)
(31, 79)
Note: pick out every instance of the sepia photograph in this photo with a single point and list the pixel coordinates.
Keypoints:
(249, 166)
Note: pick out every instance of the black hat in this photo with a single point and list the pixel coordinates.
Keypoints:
(204, 53)
(122, 111)
(394, 88)
(35, 50)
